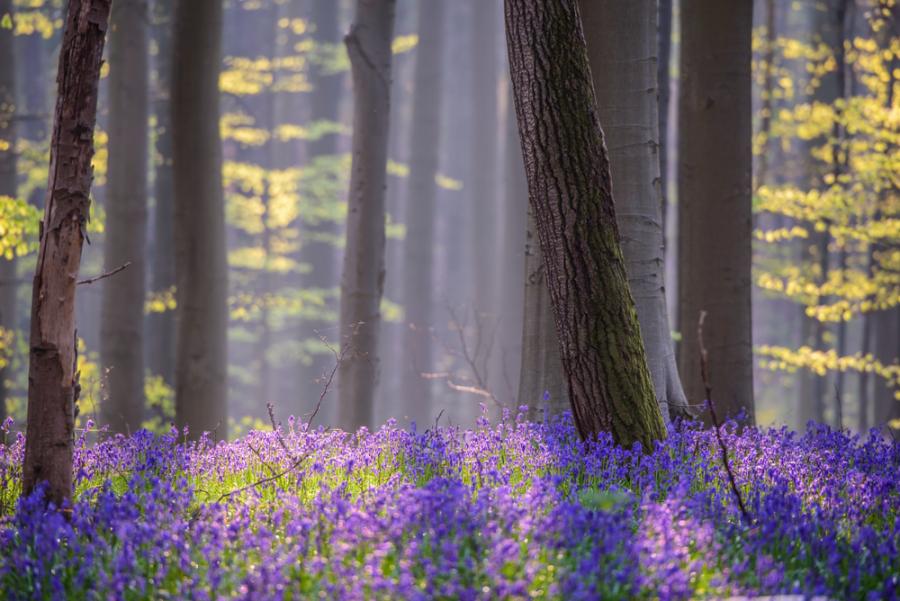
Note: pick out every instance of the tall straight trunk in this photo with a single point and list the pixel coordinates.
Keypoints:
(52, 377)
(886, 406)
(322, 257)
(542, 380)
(7, 186)
(200, 266)
(122, 316)
(482, 181)
(664, 44)
(514, 221)
(622, 44)
(570, 193)
(362, 283)
(425, 145)
(161, 326)
(714, 208)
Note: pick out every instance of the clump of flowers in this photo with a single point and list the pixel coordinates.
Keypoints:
(514, 510)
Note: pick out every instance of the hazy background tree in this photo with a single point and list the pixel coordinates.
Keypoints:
(200, 260)
(714, 208)
(122, 315)
(8, 191)
(362, 284)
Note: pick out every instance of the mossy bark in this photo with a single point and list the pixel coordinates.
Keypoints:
(567, 167)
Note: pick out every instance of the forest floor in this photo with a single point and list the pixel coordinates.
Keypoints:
(513, 510)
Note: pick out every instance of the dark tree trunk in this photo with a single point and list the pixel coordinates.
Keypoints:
(570, 192)
(419, 246)
(7, 186)
(161, 326)
(122, 317)
(362, 283)
(201, 268)
(52, 376)
(714, 202)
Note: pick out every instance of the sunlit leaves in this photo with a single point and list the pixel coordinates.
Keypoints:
(18, 227)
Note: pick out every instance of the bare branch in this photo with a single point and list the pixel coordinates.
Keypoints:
(103, 276)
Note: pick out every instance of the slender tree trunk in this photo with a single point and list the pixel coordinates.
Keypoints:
(542, 380)
(322, 257)
(664, 43)
(122, 317)
(420, 226)
(7, 186)
(570, 193)
(714, 201)
(161, 326)
(512, 267)
(482, 176)
(52, 377)
(362, 284)
(622, 45)
(886, 406)
(201, 269)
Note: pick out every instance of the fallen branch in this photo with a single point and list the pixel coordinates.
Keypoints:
(103, 276)
(704, 373)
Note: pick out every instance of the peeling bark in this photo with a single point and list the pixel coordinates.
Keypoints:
(52, 376)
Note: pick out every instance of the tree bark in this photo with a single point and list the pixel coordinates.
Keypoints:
(482, 176)
(622, 44)
(322, 257)
(161, 326)
(7, 186)
(542, 380)
(362, 282)
(52, 377)
(714, 201)
(664, 43)
(570, 193)
(122, 316)
(425, 145)
(201, 269)
(886, 406)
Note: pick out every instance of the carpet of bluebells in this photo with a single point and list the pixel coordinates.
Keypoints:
(512, 510)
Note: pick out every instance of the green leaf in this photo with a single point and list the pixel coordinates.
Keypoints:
(6, 21)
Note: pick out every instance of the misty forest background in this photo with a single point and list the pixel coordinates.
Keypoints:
(465, 316)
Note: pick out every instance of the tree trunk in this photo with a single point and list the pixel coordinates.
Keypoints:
(7, 188)
(482, 177)
(122, 317)
(161, 326)
(362, 283)
(52, 377)
(322, 257)
(542, 381)
(622, 45)
(425, 145)
(714, 201)
(201, 269)
(570, 193)
(664, 43)
(887, 350)
(515, 225)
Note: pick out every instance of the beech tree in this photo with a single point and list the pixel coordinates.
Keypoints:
(570, 192)
(622, 48)
(199, 228)
(122, 315)
(52, 376)
(420, 225)
(362, 282)
(714, 208)
(7, 189)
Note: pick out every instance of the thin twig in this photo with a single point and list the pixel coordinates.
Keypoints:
(103, 276)
(704, 373)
